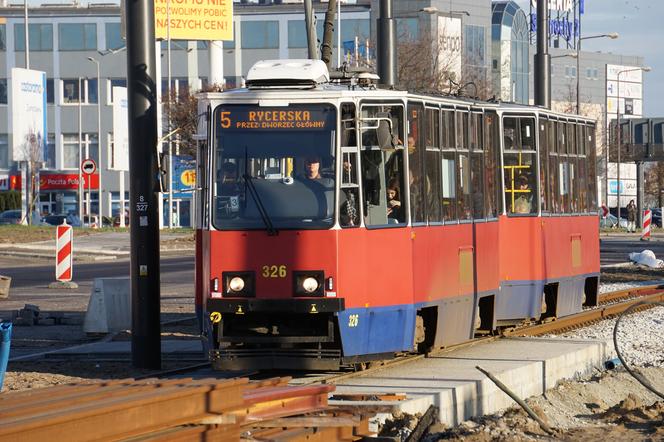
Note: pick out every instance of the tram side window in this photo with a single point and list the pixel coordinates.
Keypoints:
(519, 165)
(477, 166)
(447, 130)
(591, 199)
(582, 169)
(490, 161)
(464, 195)
(461, 130)
(418, 182)
(432, 166)
(382, 167)
(448, 178)
(563, 168)
(572, 175)
(543, 156)
(348, 130)
(448, 165)
(553, 188)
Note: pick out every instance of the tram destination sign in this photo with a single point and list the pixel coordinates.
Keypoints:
(277, 118)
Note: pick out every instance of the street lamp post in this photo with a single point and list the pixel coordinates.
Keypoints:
(99, 149)
(618, 135)
(612, 36)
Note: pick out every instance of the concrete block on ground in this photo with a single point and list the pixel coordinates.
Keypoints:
(109, 307)
(5, 282)
(450, 381)
(63, 285)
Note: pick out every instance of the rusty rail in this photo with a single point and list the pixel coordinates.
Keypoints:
(650, 293)
(175, 409)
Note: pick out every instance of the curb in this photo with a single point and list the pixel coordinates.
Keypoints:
(80, 257)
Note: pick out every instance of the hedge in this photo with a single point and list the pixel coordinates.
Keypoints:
(10, 200)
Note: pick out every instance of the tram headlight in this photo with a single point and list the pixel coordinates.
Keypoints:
(238, 284)
(308, 283)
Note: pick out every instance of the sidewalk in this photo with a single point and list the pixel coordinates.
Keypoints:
(102, 246)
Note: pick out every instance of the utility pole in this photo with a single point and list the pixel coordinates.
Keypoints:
(143, 210)
(387, 59)
(311, 30)
(542, 57)
(328, 33)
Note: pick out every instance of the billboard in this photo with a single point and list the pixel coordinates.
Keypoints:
(628, 183)
(194, 19)
(120, 160)
(449, 46)
(28, 109)
(184, 176)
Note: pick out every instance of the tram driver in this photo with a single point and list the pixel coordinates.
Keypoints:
(228, 202)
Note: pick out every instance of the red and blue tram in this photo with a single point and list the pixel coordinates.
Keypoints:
(341, 223)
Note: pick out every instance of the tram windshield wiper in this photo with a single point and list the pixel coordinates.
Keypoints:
(259, 204)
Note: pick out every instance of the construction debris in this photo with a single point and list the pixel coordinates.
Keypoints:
(177, 409)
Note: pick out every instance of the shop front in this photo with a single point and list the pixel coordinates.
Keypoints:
(59, 193)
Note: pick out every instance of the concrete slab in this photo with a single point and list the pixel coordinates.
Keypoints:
(528, 366)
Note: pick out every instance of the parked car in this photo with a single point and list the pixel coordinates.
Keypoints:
(656, 216)
(56, 220)
(10, 217)
(610, 222)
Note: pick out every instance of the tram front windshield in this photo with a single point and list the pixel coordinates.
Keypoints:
(274, 167)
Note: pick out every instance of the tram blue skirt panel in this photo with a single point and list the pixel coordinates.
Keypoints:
(377, 330)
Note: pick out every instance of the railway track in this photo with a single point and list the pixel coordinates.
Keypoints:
(610, 305)
(268, 408)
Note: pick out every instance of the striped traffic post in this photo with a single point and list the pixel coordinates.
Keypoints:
(64, 252)
(645, 234)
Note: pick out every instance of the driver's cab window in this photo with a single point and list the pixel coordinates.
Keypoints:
(382, 151)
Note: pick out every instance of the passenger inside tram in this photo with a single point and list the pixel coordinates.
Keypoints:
(523, 200)
(394, 209)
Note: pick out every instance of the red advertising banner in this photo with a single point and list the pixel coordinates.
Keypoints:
(61, 181)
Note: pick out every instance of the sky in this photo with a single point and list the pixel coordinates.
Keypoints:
(640, 26)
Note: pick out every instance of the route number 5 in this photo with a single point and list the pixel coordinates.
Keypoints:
(225, 120)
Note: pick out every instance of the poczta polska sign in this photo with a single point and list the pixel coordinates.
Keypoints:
(194, 19)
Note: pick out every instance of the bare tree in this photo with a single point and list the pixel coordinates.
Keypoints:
(654, 185)
(182, 111)
(32, 152)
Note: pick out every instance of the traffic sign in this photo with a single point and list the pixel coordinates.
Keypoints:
(88, 166)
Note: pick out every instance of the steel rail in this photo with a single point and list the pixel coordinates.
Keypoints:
(632, 295)
(588, 316)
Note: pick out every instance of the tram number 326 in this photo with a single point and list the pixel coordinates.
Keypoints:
(353, 320)
(273, 271)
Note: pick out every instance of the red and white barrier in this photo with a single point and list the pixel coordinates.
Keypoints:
(647, 217)
(65, 249)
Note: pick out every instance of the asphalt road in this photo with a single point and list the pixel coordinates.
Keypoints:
(31, 273)
(614, 250)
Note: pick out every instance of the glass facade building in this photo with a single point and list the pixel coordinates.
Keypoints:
(510, 52)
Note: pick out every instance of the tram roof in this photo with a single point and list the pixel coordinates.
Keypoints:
(332, 91)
